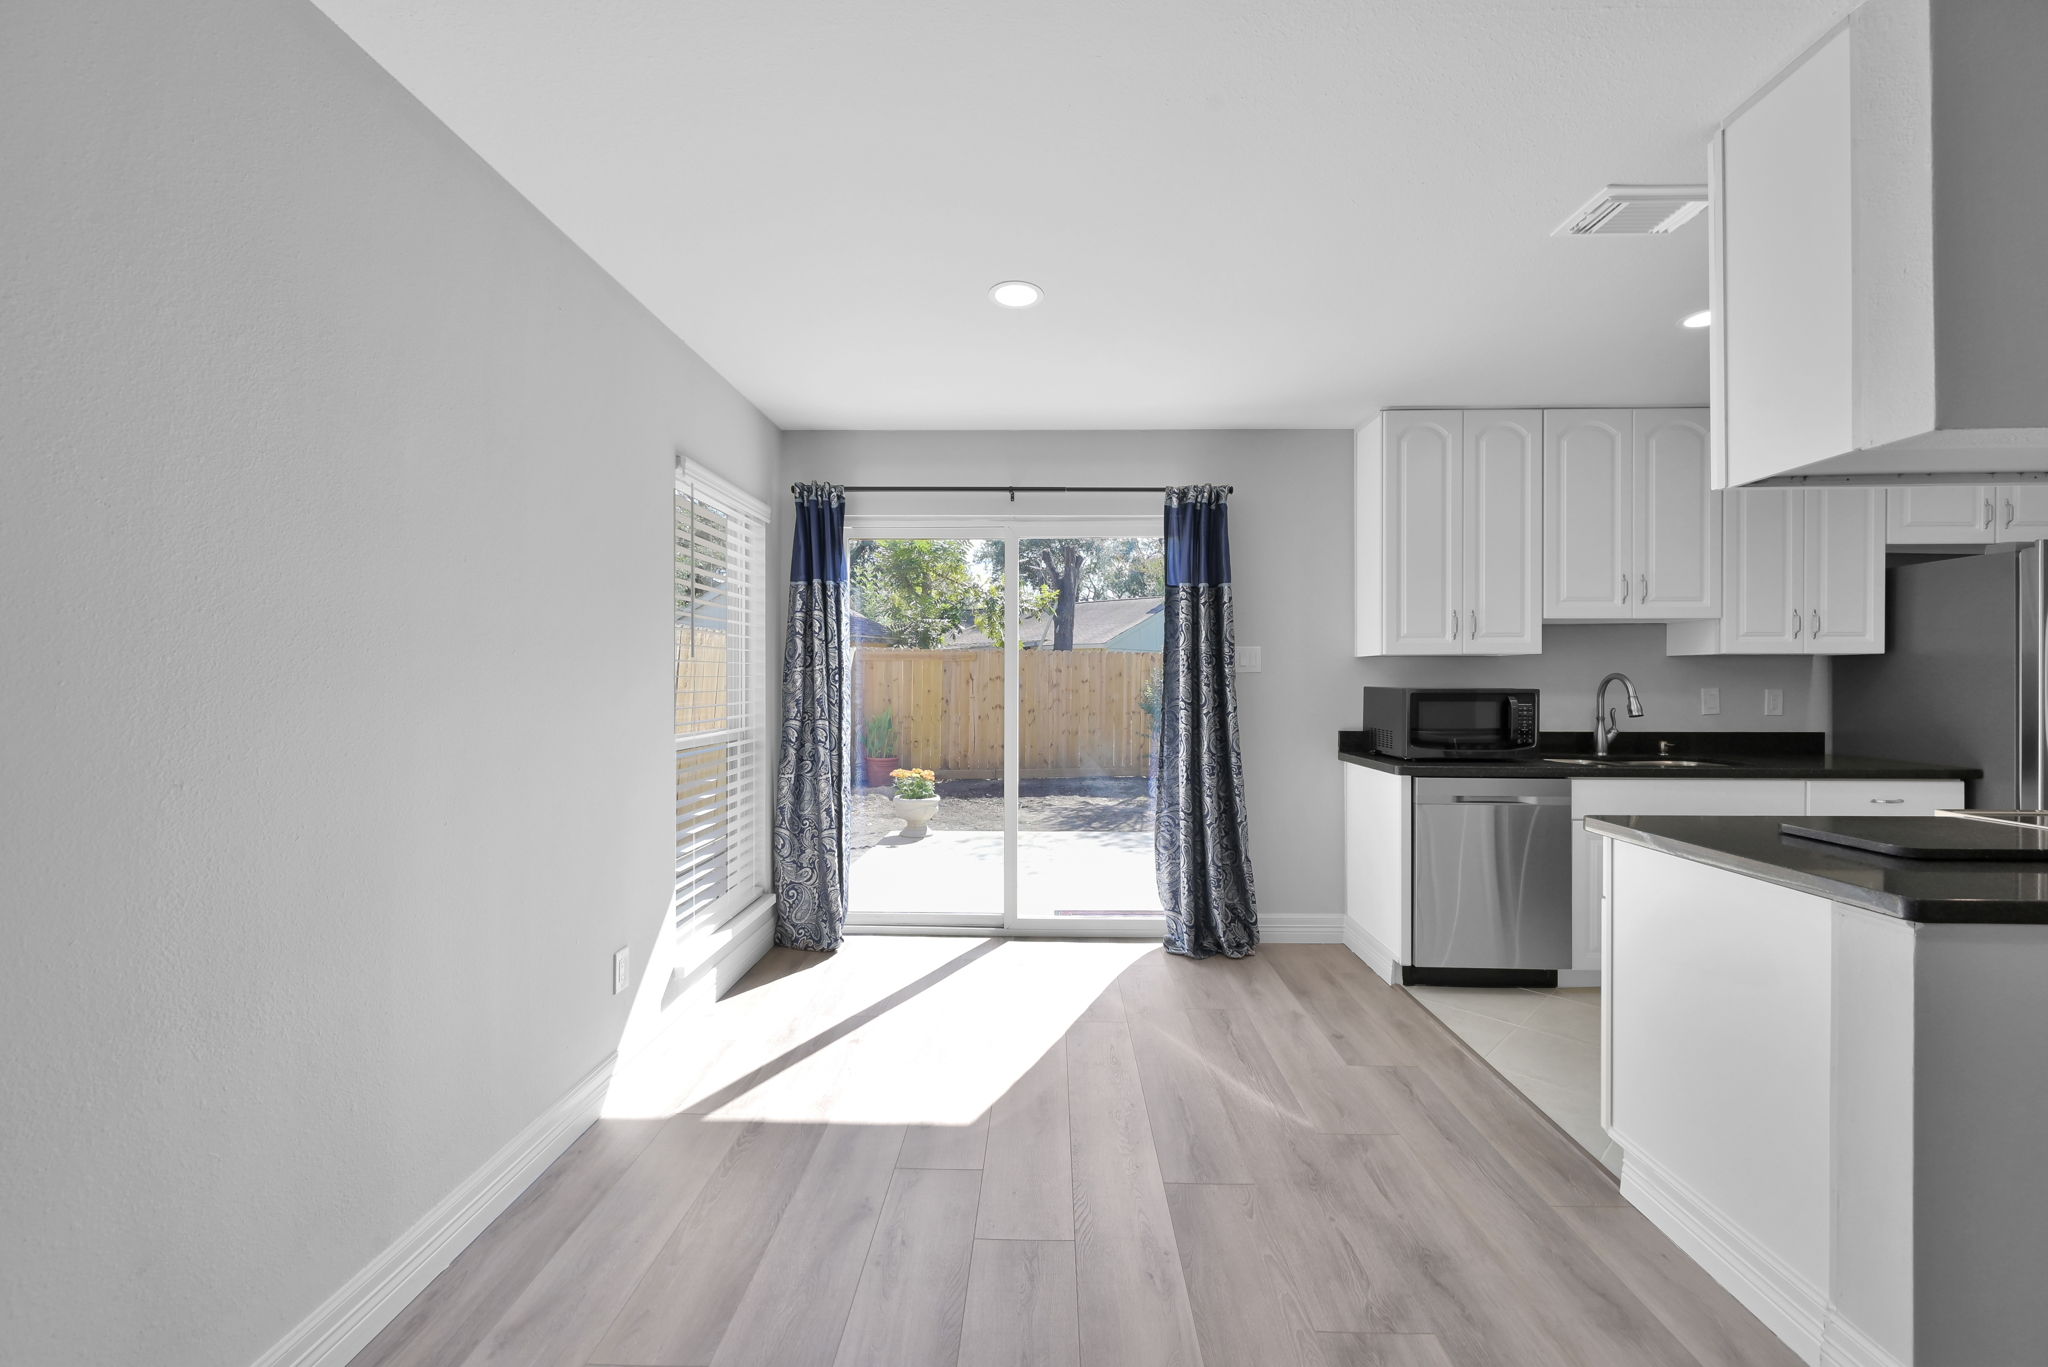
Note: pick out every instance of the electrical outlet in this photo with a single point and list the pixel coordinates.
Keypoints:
(1250, 659)
(1710, 702)
(1774, 702)
(622, 969)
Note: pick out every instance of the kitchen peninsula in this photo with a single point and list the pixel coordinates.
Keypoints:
(1828, 1069)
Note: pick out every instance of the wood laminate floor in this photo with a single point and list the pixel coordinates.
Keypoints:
(928, 1151)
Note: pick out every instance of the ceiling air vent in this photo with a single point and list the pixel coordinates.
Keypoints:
(1635, 209)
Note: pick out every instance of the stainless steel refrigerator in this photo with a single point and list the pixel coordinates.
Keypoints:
(1960, 680)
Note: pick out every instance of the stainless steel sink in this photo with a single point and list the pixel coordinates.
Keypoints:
(1638, 761)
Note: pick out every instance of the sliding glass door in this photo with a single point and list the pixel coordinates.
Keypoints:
(1005, 694)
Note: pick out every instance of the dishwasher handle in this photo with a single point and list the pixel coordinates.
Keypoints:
(1522, 800)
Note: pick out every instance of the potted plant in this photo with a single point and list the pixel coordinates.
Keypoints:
(879, 743)
(916, 800)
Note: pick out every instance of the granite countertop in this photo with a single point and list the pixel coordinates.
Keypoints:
(1739, 754)
(1943, 890)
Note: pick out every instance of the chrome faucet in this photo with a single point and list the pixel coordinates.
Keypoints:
(1604, 729)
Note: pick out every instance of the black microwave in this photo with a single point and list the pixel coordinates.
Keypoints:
(1451, 723)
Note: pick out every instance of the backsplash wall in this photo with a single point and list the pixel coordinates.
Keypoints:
(1575, 658)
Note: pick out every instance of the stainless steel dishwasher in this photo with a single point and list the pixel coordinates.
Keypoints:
(1493, 874)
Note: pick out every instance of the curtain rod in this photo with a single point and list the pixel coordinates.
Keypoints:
(1013, 489)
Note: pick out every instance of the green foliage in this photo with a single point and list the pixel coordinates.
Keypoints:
(1059, 572)
(879, 735)
(923, 591)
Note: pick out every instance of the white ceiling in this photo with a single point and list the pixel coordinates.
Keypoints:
(1279, 214)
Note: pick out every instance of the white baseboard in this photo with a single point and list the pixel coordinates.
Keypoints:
(1844, 1345)
(1301, 930)
(1377, 956)
(371, 1299)
(1790, 1306)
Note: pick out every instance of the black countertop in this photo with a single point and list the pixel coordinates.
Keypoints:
(1945, 890)
(1737, 754)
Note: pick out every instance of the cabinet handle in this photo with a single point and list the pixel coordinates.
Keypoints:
(1798, 624)
(1888, 801)
(1454, 624)
(1987, 512)
(1624, 588)
(2008, 512)
(1643, 583)
(1475, 624)
(1816, 624)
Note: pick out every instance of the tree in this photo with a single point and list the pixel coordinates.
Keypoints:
(924, 591)
(1070, 570)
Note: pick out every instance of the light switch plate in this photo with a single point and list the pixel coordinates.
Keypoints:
(622, 969)
(1710, 702)
(1774, 702)
(1250, 660)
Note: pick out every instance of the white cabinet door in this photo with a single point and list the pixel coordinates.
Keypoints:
(1503, 532)
(1940, 514)
(1677, 517)
(1844, 579)
(1422, 513)
(1762, 572)
(2022, 512)
(1588, 514)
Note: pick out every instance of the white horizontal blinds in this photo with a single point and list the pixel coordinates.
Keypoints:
(721, 697)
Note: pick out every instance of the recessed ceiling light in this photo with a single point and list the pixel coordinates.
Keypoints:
(1697, 320)
(1015, 294)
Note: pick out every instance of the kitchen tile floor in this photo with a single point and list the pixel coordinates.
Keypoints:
(1544, 1040)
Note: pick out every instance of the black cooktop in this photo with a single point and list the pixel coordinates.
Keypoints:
(2000, 836)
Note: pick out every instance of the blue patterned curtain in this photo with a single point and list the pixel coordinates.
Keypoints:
(1201, 841)
(812, 778)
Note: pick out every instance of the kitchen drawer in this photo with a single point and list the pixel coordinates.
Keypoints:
(1688, 797)
(1845, 797)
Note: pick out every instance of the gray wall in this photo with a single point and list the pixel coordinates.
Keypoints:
(1290, 524)
(334, 524)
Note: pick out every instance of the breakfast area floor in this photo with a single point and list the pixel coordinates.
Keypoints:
(944, 1150)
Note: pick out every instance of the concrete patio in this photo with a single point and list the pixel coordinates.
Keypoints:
(951, 873)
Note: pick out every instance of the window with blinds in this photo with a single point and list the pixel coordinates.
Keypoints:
(722, 728)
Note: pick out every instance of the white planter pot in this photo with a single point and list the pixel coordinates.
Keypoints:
(916, 812)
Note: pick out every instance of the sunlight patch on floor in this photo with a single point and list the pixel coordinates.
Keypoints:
(888, 1031)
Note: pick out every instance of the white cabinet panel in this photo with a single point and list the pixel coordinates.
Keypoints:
(1503, 497)
(1762, 574)
(1940, 514)
(1677, 517)
(1784, 322)
(1424, 463)
(1589, 512)
(1860, 797)
(1377, 819)
(1448, 550)
(1844, 575)
(2022, 512)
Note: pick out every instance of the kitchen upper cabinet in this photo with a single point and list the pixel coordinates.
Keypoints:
(1941, 515)
(1632, 528)
(1588, 514)
(1677, 516)
(1503, 499)
(1874, 253)
(1802, 574)
(1966, 514)
(1843, 577)
(1448, 533)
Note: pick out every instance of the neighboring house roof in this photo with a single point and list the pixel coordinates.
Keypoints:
(867, 629)
(1107, 623)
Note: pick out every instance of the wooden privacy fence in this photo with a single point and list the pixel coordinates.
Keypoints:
(1080, 712)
